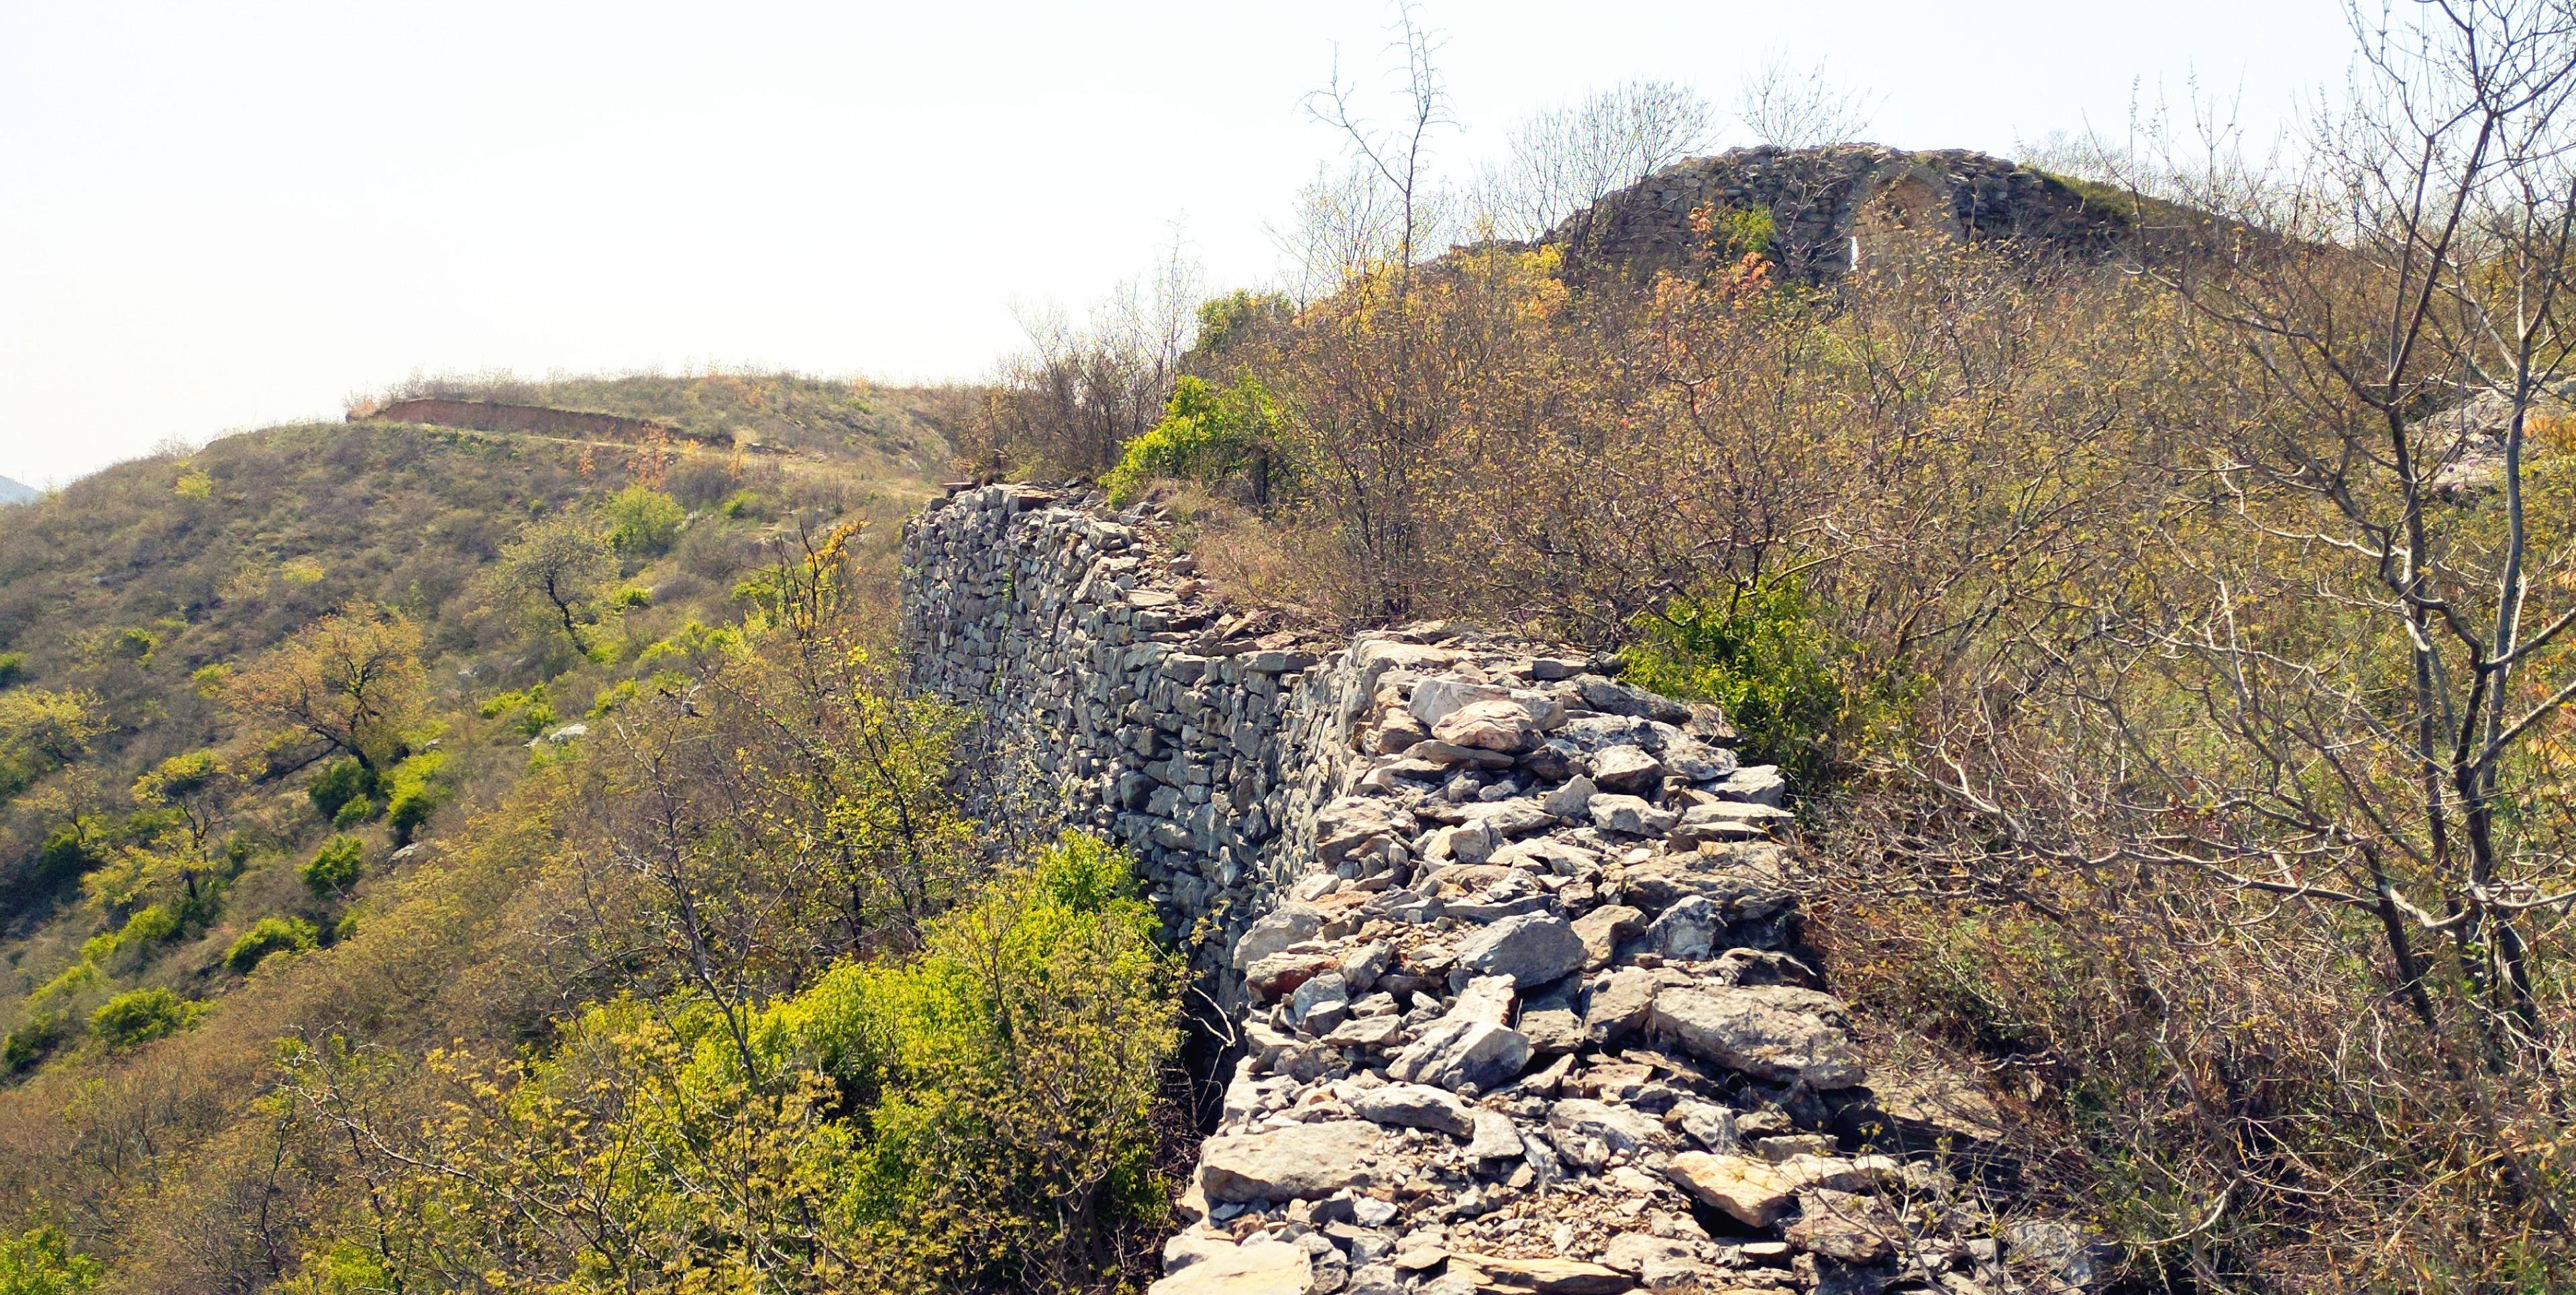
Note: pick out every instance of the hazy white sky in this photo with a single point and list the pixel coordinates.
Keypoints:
(220, 215)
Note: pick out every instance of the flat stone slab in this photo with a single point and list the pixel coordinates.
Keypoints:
(1296, 1162)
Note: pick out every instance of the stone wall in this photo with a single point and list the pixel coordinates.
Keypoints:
(1827, 203)
(1508, 966)
(496, 416)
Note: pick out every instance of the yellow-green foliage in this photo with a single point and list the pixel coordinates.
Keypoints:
(975, 1117)
(526, 710)
(270, 935)
(642, 522)
(334, 867)
(1795, 691)
(148, 926)
(414, 791)
(41, 731)
(42, 1262)
(1209, 434)
(138, 1015)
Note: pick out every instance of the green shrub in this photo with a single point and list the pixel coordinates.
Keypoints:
(341, 781)
(138, 1015)
(642, 522)
(356, 813)
(1238, 316)
(270, 935)
(413, 791)
(982, 1110)
(137, 644)
(631, 596)
(42, 1262)
(1734, 233)
(1786, 681)
(526, 711)
(335, 867)
(1209, 435)
(28, 1044)
(13, 668)
(157, 924)
(1018, 1056)
(691, 642)
(614, 696)
(67, 852)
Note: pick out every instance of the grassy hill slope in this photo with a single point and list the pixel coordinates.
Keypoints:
(136, 1031)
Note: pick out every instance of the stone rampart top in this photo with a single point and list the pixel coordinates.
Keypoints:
(1508, 966)
(1827, 204)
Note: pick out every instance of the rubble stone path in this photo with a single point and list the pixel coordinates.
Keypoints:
(1510, 965)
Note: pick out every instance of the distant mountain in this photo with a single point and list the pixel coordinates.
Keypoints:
(12, 492)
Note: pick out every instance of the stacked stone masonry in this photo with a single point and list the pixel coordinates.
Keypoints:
(1512, 966)
(1827, 203)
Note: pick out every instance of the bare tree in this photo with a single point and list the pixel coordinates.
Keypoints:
(1800, 105)
(2326, 707)
(1561, 161)
(1391, 164)
(1070, 403)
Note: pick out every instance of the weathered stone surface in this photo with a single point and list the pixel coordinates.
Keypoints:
(1436, 699)
(1757, 1192)
(1321, 1003)
(1759, 1033)
(1461, 1055)
(1630, 816)
(1260, 1268)
(1845, 1226)
(1743, 881)
(1573, 801)
(2078, 1261)
(1495, 1137)
(1282, 973)
(1615, 698)
(1552, 1023)
(1353, 824)
(1295, 1162)
(1415, 1106)
(1497, 725)
(1283, 926)
(1621, 1128)
(1532, 949)
(1688, 930)
(1627, 769)
(1759, 784)
(1362, 966)
(1634, 1252)
(1544, 1276)
(1620, 1006)
(1603, 928)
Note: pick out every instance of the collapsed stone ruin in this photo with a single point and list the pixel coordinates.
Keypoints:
(1508, 967)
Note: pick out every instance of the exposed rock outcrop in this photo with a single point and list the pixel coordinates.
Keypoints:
(1498, 1026)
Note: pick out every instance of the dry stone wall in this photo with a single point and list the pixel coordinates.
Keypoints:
(1509, 963)
(1822, 199)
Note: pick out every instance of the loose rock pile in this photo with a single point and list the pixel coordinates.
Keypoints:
(1515, 968)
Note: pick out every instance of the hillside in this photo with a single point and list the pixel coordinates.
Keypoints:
(897, 433)
(12, 492)
(177, 825)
